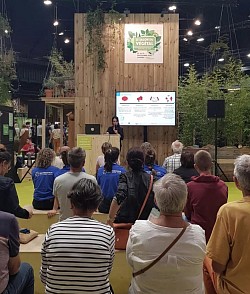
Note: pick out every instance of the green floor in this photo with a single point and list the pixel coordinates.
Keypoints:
(25, 192)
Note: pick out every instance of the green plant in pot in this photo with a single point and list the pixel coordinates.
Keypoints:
(49, 86)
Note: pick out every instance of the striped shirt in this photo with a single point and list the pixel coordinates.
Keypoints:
(77, 257)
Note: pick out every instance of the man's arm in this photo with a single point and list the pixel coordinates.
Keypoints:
(14, 265)
(188, 207)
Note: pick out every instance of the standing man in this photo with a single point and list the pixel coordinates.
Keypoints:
(39, 135)
(48, 131)
(16, 277)
(64, 183)
(228, 246)
(206, 194)
(174, 161)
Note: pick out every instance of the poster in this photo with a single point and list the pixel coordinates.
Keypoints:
(85, 142)
(5, 130)
(143, 43)
(10, 119)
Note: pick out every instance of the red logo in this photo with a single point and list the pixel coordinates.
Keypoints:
(139, 99)
(124, 98)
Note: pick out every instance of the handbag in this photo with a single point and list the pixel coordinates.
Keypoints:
(122, 229)
(162, 254)
(26, 235)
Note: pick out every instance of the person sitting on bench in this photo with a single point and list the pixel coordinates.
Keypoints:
(28, 149)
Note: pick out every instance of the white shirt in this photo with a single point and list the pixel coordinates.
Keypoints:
(179, 271)
(172, 162)
(39, 130)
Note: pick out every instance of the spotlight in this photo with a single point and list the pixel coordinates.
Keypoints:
(185, 39)
(190, 33)
(61, 34)
(6, 31)
(172, 8)
(200, 40)
(221, 59)
(197, 22)
(126, 12)
(56, 23)
(186, 64)
(66, 41)
(47, 2)
(217, 27)
(248, 55)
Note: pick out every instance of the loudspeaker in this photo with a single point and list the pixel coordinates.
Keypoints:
(216, 108)
(36, 109)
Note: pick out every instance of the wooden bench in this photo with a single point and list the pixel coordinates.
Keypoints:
(40, 221)
(120, 276)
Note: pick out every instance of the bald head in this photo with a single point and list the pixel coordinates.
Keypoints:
(203, 161)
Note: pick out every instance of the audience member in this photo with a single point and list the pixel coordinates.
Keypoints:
(9, 201)
(186, 170)
(24, 135)
(145, 146)
(100, 159)
(206, 194)
(78, 253)
(16, 277)
(62, 161)
(27, 149)
(48, 132)
(228, 246)
(108, 178)
(150, 166)
(39, 130)
(132, 190)
(173, 162)
(64, 183)
(43, 176)
(180, 269)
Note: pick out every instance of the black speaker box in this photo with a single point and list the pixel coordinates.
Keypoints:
(36, 109)
(215, 108)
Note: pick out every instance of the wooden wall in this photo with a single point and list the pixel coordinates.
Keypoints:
(95, 91)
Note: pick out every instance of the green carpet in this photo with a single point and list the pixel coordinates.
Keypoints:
(25, 192)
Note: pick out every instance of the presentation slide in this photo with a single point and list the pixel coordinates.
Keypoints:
(146, 108)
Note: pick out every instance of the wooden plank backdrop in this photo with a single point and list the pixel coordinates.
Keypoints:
(95, 90)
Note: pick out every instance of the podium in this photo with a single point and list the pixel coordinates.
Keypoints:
(92, 145)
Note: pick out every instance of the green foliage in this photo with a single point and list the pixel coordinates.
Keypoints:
(95, 26)
(224, 82)
(7, 63)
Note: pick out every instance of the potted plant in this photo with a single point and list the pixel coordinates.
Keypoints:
(49, 86)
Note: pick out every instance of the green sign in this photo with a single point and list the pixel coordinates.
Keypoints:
(5, 130)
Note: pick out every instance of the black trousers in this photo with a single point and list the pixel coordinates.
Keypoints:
(44, 204)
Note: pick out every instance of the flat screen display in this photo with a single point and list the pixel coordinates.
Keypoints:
(146, 108)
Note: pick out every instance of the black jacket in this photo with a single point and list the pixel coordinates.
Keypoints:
(132, 190)
(9, 201)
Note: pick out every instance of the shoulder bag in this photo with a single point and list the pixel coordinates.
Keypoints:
(122, 229)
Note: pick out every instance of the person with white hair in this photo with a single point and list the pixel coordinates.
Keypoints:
(228, 252)
(180, 268)
(174, 161)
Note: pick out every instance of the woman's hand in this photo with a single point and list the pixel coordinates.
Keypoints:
(110, 221)
(51, 213)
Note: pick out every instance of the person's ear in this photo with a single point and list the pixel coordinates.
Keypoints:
(155, 201)
(196, 167)
(236, 182)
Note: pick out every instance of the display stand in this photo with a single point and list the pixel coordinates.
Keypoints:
(92, 145)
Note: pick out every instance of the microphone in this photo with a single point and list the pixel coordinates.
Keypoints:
(116, 127)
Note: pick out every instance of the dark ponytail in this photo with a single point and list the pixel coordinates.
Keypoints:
(110, 157)
(4, 155)
(135, 158)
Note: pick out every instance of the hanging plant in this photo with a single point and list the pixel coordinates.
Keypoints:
(95, 26)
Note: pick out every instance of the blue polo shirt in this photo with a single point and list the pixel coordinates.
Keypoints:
(43, 180)
(108, 181)
(160, 171)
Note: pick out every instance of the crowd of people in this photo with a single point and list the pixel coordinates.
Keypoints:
(185, 237)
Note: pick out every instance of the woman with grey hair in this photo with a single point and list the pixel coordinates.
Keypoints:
(179, 270)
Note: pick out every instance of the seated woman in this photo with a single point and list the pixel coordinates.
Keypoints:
(180, 269)
(100, 159)
(43, 176)
(28, 148)
(78, 252)
(8, 195)
(186, 171)
(132, 190)
(108, 178)
(151, 167)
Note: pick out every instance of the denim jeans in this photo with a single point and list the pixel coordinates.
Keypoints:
(22, 282)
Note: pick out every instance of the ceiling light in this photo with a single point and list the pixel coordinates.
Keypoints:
(217, 27)
(56, 23)
(190, 33)
(221, 59)
(248, 55)
(61, 34)
(172, 8)
(200, 40)
(197, 22)
(47, 2)
(185, 39)
(6, 31)
(186, 64)
(66, 41)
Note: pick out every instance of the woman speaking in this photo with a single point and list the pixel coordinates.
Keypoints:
(116, 129)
